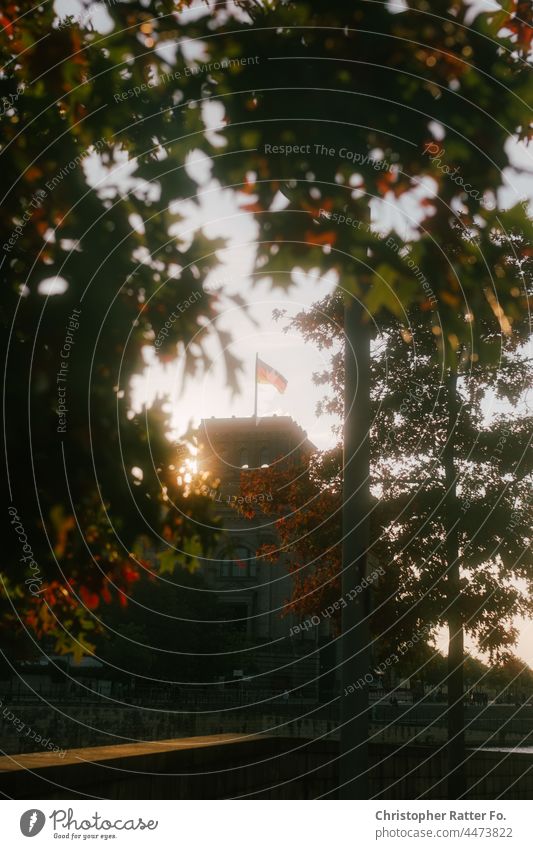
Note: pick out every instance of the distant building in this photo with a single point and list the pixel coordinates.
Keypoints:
(252, 593)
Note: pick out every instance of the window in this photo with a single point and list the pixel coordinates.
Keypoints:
(243, 458)
(283, 451)
(234, 617)
(264, 457)
(237, 562)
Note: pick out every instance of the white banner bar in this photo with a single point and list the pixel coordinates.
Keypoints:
(267, 824)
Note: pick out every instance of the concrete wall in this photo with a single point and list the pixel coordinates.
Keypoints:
(229, 766)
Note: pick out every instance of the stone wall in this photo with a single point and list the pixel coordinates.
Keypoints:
(79, 725)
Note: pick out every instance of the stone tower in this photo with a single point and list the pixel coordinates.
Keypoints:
(251, 593)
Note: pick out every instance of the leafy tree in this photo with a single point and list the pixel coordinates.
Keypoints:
(95, 268)
(410, 520)
(408, 436)
(512, 680)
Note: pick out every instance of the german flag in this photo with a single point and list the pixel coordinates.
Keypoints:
(267, 374)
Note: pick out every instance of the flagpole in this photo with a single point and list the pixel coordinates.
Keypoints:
(255, 382)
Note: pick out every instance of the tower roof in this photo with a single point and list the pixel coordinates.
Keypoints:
(263, 427)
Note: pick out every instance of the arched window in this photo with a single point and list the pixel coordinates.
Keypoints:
(264, 457)
(243, 458)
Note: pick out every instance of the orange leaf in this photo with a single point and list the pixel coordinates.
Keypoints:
(328, 237)
(6, 24)
(90, 599)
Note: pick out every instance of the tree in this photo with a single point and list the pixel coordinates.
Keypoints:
(94, 270)
(512, 680)
(408, 481)
(411, 444)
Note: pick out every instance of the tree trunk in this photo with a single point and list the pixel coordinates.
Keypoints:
(456, 732)
(355, 649)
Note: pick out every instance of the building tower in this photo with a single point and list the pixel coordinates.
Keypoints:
(252, 593)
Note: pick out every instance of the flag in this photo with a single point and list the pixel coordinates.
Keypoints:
(267, 374)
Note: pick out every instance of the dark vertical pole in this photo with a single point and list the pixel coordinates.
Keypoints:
(255, 389)
(456, 723)
(355, 517)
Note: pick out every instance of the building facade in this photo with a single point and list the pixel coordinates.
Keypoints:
(252, 593)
